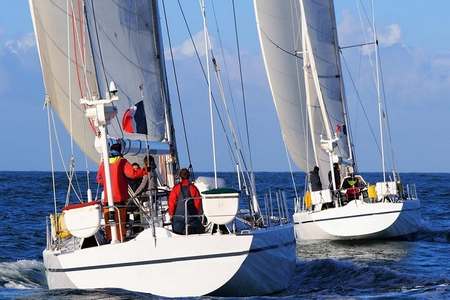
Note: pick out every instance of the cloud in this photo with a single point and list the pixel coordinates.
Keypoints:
(186, 50)
(21, 45)
(352, 31)
(391, 35)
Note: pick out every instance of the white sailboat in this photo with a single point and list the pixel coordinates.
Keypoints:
(99, 58)
(303, 64)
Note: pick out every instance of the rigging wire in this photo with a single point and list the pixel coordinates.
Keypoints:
(177, 86)
(294, 185)
(225, 64)
(69, 84)
(234, 156)
(235, 132)
(394, 163)
(82, 49)
(103, 64)
(296, 36)
(55, 132)
(294, 53)
(358, 96)
(379, 97)
(205, 77)
(207, 49)
(243, 92)
(52, 163)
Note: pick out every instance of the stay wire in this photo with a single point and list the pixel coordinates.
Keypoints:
(212, 95)
(237, 141)
(242, 87)
(204, 73)
(230, 90)
(358, 96)
(394, 163)
(177, 86)
(103, 63)
(52, 163)
(61, 154)
(82, 49)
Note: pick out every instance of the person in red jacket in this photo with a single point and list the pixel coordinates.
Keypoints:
(121, 171)
(185, 195)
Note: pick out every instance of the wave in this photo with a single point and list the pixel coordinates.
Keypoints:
(430, 233)
(22, 274)
(329, 277)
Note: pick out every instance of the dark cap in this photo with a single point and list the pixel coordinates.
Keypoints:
(184, 173)
(116, 147)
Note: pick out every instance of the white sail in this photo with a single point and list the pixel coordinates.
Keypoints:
(299, 45)
(322, 37)
(280, 35)
(124, 37)
(66, 65)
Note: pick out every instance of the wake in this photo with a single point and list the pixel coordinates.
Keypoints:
(22, 274)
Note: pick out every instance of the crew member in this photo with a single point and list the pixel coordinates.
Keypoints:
(149, 182)
(135, 183)
(337, 176)
(121, 171)
(185, 195)
(314, 179)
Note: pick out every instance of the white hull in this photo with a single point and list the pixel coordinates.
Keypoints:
(174, 266)
(359, 220)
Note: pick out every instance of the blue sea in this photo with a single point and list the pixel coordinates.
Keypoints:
(417, 267)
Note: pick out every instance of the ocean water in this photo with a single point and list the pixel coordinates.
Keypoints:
(412, 268)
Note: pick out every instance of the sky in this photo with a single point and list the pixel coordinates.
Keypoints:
(415, 54)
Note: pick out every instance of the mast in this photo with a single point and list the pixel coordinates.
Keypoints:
(306, 67)
(329, 143)
(173, 162)
(344, 99)
(211, 114)
(380, 109)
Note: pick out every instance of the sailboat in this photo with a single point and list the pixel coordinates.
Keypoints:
(102, 60)
(302, 58)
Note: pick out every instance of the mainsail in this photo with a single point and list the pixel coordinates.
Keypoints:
(125, 49)
(104, 41)
(300, 50)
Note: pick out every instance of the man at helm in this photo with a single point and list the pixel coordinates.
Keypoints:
(185, 198)
(121, 171)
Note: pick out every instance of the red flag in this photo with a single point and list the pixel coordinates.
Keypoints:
(128, 120)
(134, 119)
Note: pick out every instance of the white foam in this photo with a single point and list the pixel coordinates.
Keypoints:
(22, 274)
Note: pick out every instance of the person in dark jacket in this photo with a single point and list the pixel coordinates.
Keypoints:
(337, 177)
(150, 181)
(185, 196)
(314, 179)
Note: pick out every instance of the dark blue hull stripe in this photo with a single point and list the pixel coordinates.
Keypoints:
(357, 216)
(171, 260)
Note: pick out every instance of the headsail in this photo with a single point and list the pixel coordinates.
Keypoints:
(300, 49)
(67, 65)
(281, 43)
